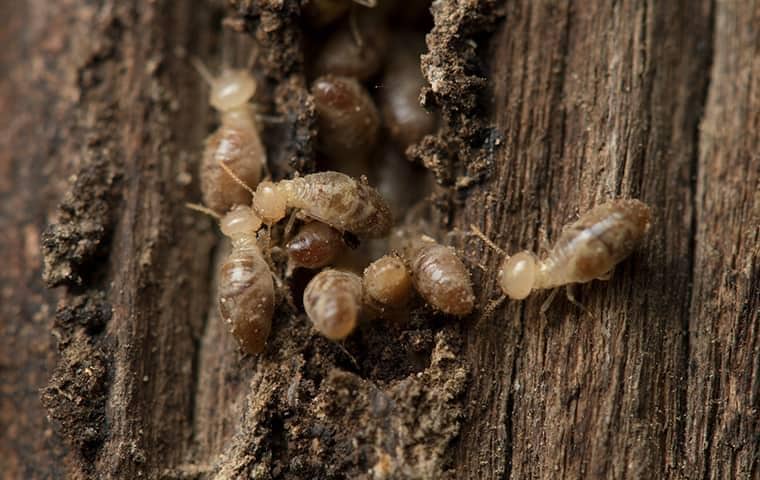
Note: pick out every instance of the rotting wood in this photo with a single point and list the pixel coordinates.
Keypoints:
(548, 108)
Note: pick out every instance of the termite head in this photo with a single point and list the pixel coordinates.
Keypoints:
(232, 89)
(240, 223)
(518, 275)
(270, 202)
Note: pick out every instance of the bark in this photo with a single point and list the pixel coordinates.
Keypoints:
(548, 108)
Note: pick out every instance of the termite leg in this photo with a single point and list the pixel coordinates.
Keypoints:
(571, 297)
(547, 303)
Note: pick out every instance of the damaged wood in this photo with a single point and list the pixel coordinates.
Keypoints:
(547, 109)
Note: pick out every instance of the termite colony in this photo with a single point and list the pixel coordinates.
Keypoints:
(368, 113)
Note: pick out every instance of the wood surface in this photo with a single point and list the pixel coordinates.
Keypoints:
(122, 368)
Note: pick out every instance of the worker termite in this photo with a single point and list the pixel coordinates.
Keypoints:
(315, 245)
(235, 144)
(333, 300)
(407, 121)
(387, 283)
(246, 289)
(333, 198)
(439, 275)
(347, 119)
(587, 250)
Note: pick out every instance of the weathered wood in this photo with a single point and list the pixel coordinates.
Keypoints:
(722, 436)
(548, 108)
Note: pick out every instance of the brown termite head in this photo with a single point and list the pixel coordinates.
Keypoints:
(342, 55)
(347, 119)
(315, 245)
(407, 121)
(440, 276)
(387, 282)
(333, 301)
(246, 290)
(588, 249)
(344, 203)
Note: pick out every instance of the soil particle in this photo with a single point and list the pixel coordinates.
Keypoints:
(75, 396)
(81, 234)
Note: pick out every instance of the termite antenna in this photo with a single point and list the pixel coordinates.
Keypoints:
(202, 209)
(200, 67)
(236, 178)
(476, 231)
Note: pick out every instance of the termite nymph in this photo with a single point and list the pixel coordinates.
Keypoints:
(343, 55)
(587, 250)
(315, 245)
(347, 119)
(407, 121)
(440, 276)
(236, 143)
(333, 301)
(246, 289)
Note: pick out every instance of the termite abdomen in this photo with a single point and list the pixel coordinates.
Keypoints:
(246, 298)
(347, 118)
(332, 301)
(246, 290)
(339, 201)
(441, 277)
(315, 245)
(240, 150)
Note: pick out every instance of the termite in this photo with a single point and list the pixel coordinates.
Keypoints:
(246, 290)
(347, 118)
(235, 144)
(587, 250)
(342, 55)
(333, 301)
(406, 119)
(387, 283)
(315, 245)
(334, 198)
(439, 275)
